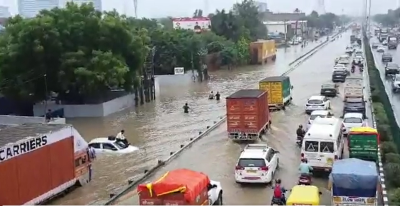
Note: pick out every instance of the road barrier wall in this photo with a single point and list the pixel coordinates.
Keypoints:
(160, 163)
(370, 65)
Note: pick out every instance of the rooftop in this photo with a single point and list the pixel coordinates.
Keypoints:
(246, 93)
(274, 79)
(14, 133)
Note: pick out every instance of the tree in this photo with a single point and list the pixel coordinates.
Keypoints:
(391, 18)
(328, 20)
(247, 11)
(76, 52)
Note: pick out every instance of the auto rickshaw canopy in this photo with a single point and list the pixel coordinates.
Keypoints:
(304, 195)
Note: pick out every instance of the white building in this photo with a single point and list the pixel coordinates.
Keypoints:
(30, 8)
(96, 3)
(4, 12)
(283, 27)
(262, 6)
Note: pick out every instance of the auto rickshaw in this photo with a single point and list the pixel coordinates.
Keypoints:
(304, 195)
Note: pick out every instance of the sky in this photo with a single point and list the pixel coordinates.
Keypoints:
(185, 8)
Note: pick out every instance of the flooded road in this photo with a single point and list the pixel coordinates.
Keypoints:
(217, 156)
(393, 97)
(160, 127)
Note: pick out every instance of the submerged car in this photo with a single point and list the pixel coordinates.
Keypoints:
(111, 145)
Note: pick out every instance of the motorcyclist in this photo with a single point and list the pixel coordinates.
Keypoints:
(300, 132)
(353, 68)
(186, 108)
(353, 63)
(279, 191)
(359, 62)
(211, 96)
(217, 96)
(304, 168)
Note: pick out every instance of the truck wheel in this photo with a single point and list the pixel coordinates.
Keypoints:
(219, 200)
(283, 108)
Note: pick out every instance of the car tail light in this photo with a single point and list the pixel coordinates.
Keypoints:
(239, 168)
(302, 154)
(336, 157)
(264, 168)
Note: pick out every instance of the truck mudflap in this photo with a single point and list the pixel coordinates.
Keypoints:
(249, 136)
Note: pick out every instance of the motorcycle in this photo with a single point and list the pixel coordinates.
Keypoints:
(276, 201)
(304, 180)
(299, 141)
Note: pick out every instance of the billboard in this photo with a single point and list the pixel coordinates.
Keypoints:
(197, 24)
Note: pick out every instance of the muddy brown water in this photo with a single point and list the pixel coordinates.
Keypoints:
(160, 127)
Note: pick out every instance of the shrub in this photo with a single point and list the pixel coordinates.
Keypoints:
(392, 171)
(391, 158)
(375, 95)
(388, 147)
(384, 132)
(394, 197)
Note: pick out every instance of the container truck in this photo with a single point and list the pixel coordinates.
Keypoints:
(40, 161)
(354, 87)
(363, 143)
(279, 91)
(247, 114)
(354, 182)
(262, 51)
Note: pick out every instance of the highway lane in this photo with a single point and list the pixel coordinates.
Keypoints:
(216, 155)
(160, 126)
(393, 97)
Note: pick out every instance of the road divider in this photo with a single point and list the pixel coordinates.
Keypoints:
(202, 133)
(383, 191)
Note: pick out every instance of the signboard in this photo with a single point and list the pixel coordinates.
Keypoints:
(179, 70)
(197, 24)
(343, 200)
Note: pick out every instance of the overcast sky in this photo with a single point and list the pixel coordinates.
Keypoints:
(182, 8)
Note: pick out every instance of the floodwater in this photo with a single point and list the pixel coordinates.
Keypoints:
(160, 127)
(216, 155)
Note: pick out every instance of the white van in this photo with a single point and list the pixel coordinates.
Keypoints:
(323, 143)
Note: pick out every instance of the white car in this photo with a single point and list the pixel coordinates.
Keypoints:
(396, 83)
(351, 120)
(344, 59)
(317, 103)
(315, 114)
(381, 49)
(349, 50)
(215, 193)
(110, 145)
(359, 53)
(257, 164)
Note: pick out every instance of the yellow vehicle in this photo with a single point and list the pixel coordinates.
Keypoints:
(279, 91)
(304, 195)
(262, 51)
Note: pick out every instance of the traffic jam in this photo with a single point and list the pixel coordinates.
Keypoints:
(332, 157)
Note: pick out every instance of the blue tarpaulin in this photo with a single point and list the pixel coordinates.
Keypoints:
(354, 177)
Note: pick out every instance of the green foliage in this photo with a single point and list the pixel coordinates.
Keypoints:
(384, 132)
(391, 18)
(392, 171)
(323, 21)
(394, 197)
(77, 50)
(388, 147)
(392, 158)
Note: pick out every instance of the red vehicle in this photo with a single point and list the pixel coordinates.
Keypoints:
(44, 160)
(247, 114)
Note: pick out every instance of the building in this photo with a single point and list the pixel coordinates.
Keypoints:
(262, 6)
(287, 28)
(96, 3)
(30, 8)
(4, 12)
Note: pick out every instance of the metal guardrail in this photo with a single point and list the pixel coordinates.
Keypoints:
(160, 163)
(384, 194)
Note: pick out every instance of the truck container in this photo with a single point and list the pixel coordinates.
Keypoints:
(247, 114)
(353, 87)
(262, 51)
(40, 161)
(279, 91)
(363, 143)
(354, 182)
(177, 187)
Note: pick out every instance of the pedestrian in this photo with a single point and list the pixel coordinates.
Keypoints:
(48, 115)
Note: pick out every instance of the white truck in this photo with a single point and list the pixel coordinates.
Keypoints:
(354, 87)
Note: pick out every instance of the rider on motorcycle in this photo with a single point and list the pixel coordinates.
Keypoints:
(354, 62)
(304, 168)
(279, 191)
(300, 132)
